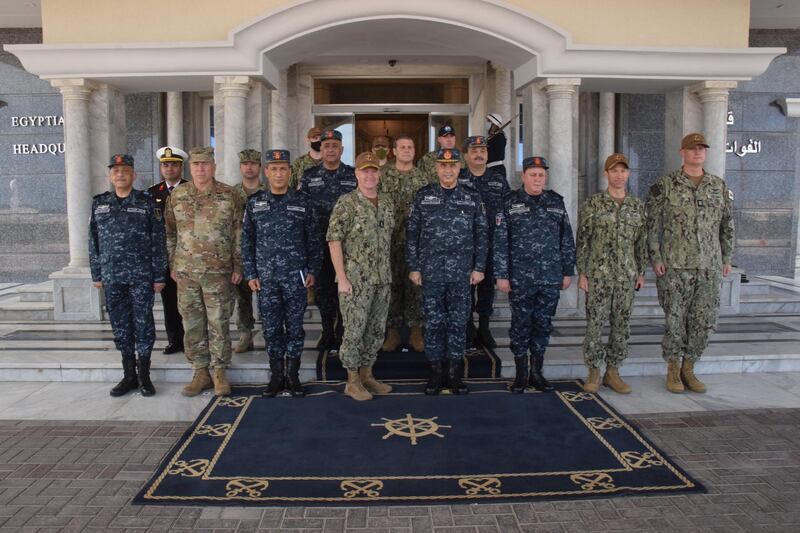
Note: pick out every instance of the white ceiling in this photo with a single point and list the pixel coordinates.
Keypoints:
(20, 14)
(775, 14)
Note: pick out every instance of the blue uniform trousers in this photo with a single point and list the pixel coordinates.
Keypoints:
(446, 306)
(282, 304)
(532, 311)
(130, 310)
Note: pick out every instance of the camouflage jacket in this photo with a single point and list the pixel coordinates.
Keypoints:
(324, 187)
(690, 227)
(126, 239)
(427, 164)
(401, 188)
(299, 166)
(446, 233)
(493, 187)
(280, 237)
(612, 238)
(204, 229)
(243, 195)
(365, 232)
(533, 241)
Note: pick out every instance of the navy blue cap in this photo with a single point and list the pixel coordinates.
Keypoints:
(475, 140)
(445, 130)
(276, 156)
(120, 159)
(331, 134)
(448, 155)
(535, 161)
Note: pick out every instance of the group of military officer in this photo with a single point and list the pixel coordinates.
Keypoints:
(414, 246)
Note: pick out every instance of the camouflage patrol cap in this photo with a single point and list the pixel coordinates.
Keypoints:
(276, 156)
(201, 153)
(535, 161)
(328, 135)
(615, 159)
(120, 159)
(448, 155)
(249, 155)
(475, 140)
(366, 160)
(314, 132)
(692, 140)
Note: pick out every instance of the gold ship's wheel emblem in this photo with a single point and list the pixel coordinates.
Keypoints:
(412, 428)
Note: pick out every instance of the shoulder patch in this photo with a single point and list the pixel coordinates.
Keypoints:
(656, 189)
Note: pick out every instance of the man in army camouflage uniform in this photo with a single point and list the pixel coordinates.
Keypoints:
(400, 180)
(381, 148)
(534, 259)
(310, 159)
(359, 237)
(324, 184)
(128, 259)
(446, 140)
(250, 169)
(690, 241)
(446, 253)
(204, 223)
(281, 255)
(612, 257)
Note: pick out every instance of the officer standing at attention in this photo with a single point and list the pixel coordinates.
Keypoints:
(324, 184)
(400, 181)
(381, 147)
(359, 237)
(446, 253)
(127, 257)
(612, 257)
(170, 164)
(281, 256)
(307, 160)
(446, 140)
(250, 169)
(496, 140)
(493, 187)
(534, 259)
(690, 241)
(204, 227)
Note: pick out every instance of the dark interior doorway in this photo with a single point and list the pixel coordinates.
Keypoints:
(371, 126)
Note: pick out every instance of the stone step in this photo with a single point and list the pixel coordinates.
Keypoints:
(39, 292)
(15, 310)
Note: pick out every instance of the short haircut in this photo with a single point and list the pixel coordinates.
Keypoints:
(401, 137)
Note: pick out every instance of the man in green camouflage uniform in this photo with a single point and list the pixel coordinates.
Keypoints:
(427, 163)
(690, 241)
(311, 159)
(250, 169)
(204, 225)
(612, 257)
(400, 180)
(359, 237)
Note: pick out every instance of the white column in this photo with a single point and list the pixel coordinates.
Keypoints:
(175, 119)
(605, 137)
(279, 117)
(714, 99)
(504, 104)
(535, 122)
(234, 90)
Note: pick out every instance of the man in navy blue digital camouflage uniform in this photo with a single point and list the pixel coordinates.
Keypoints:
(127, 255)
(534, 259)
(446, 253)
(281, 256)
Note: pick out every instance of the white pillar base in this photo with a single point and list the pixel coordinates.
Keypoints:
(74, 296)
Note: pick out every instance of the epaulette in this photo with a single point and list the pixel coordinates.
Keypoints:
(97, 196)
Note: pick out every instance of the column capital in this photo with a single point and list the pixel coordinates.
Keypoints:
(74, 88)
(559, 87)
(236, 86)
(713, 91)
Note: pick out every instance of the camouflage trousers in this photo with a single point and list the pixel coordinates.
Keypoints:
(446, 307)
(364, 317)
(405, 304)
(610, 300)
(282, 304)
(244, 307)
(130, 310)
(204, 301)
(532, 311)
(690, 300)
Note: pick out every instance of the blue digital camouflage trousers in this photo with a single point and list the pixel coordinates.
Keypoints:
(532, 311)
(282, 305)
(130, 310)
(446, 306)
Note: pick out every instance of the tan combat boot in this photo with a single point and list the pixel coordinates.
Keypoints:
(689, 379)
(200, 382)
(673, 376)
(245, 343)
(222, 387)
(354, 388)
(370, 383)
(592, 383)
(392, 341)
(416, 340)
(612, 380)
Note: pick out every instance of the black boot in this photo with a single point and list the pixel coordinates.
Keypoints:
(129, 381)
(484, 333)
(454, 374)
(293, 377)
(472, 334)
(277, 382)
(326, 340)
(521, 378)
(145, 385)
(434, 384)
(537, 378)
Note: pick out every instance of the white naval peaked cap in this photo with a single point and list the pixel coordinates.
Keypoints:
(171, 153)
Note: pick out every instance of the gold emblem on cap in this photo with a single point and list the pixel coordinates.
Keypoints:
(168, 152)
(448, 154)
(276, 155)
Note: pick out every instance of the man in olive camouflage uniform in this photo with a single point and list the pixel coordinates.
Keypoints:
(690, 241)
(310, 159)
(359, 237)
(612, 257)
(250, 169)
(204, 226)
(400, 180)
